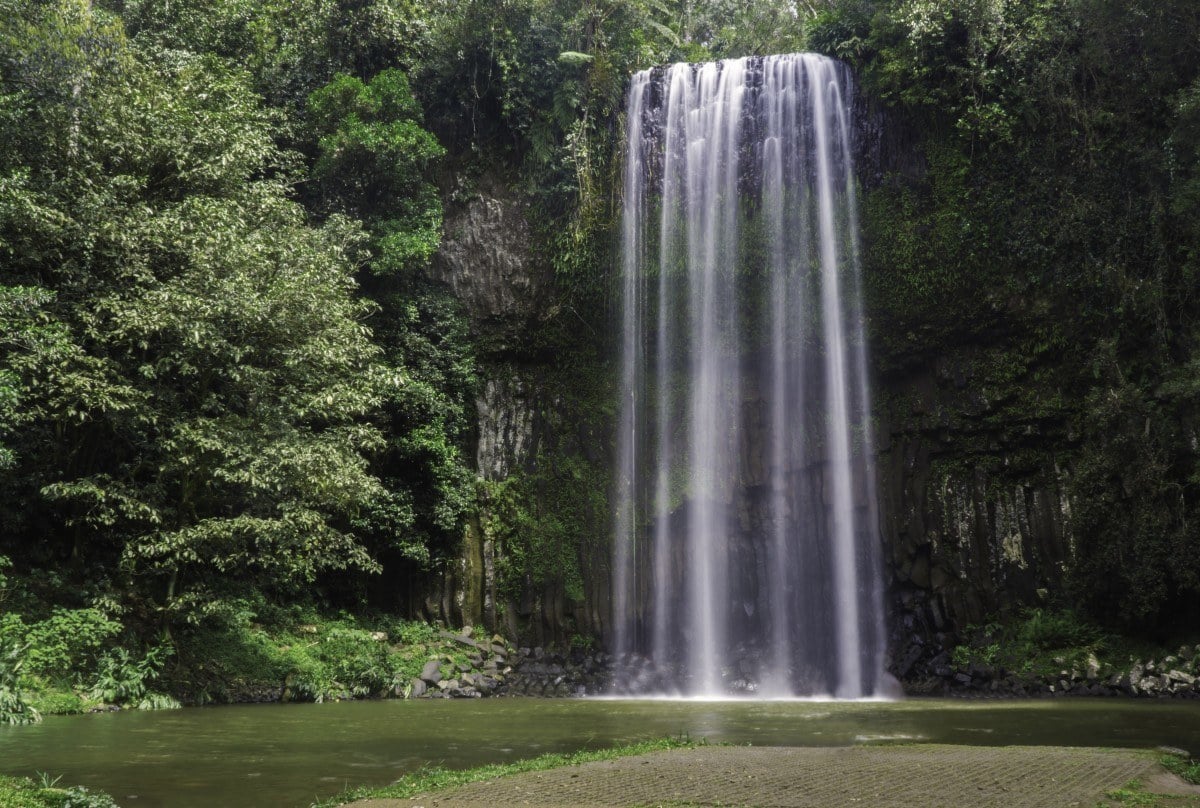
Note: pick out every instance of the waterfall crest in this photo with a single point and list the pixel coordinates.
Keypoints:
(746, 554)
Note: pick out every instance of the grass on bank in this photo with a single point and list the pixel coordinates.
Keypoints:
(22, 792)
(1135, 795)
(1186, 768)
(438, 779)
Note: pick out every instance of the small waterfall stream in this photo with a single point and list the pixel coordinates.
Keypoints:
(746, 555)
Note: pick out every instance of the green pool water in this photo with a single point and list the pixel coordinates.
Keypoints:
(294, 754)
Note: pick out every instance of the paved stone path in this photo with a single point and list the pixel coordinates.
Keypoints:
(918, 776)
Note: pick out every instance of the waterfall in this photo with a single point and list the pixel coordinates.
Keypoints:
(746, 550)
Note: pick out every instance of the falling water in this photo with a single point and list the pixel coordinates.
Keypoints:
(746, 550)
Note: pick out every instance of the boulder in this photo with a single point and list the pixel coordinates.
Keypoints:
(417, 688)
(1180, 676)
(460, 639)
(432, 672)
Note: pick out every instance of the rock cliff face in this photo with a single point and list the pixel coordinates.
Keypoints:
(486, 259)
(974, 456)
(976, 515)
(525, 426)
(505, 408)
(507, 412)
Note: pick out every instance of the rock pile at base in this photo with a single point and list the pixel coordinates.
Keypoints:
(1173, 676)
(493, 667)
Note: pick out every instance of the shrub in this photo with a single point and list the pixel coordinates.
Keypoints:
(357, 661)
(1039, 640)
(62, 646)
(1048, 630)
(14, 709)
(121, 679)
(59, 702)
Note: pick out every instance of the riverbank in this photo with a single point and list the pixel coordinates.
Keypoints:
(285, 655)
(1167, 676)
(916, 776)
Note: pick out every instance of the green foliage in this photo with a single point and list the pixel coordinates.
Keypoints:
(1139, 554)
(536, 519)
(1041, 642)
(289, 48)
(1044, 631)
(27, 334)
(60, 702)
(1187, 768)
(354, 657)
(123, 679)
(582, 643)
(1133, 794)
(22, 792)
(303, 655)
(374, 163)
(842, 31)
(14, 708)
(430, 486)
(208, 413)
(731, 28)
(66, 642)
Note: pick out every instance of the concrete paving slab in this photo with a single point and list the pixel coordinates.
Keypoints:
(909, 776)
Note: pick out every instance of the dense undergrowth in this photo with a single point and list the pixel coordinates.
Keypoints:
(1040, 643)
(78, 660)
(299, 654)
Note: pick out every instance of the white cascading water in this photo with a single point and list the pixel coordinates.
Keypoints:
(746, 552)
